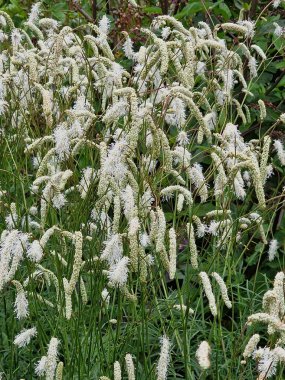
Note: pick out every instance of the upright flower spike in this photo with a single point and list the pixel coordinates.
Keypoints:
(25, 336)
(68, 301)
(240, 111)
(201, 228)
(34, 13)
(251, 346)
(51, 362)
(224, 290)
(270, 304)
(59, 371)
(172, 253)
(47, 104)
(196, 112)
(117, 371)
(113, 250)
(264, 158)
(62, 141)
(272, 250)
(128, 47)
(77, 261)
(130, 367)
(161, 228)
(262, 109)
(132, 137)
(83, 292)
(12, 247)
(278, 146)
(69, 286)
(21, 302)
(167, 157)
(279, 290)
(40, 366)
(267, 362)
(192, 246)
(104, 25)
(117, 214)
(35, 251)
(209, 292)
(57, 48)
(203, 355)
(259, 221)
(180, 202)
(164, 358)
(221, 179)
(256, 176)
(118, 273)
(198, 180)
(134, 226)
(163, 52)
(48, 364)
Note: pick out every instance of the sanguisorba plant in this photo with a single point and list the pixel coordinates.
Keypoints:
(132, 204)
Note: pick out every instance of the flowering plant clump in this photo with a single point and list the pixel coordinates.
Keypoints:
(134, 203)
